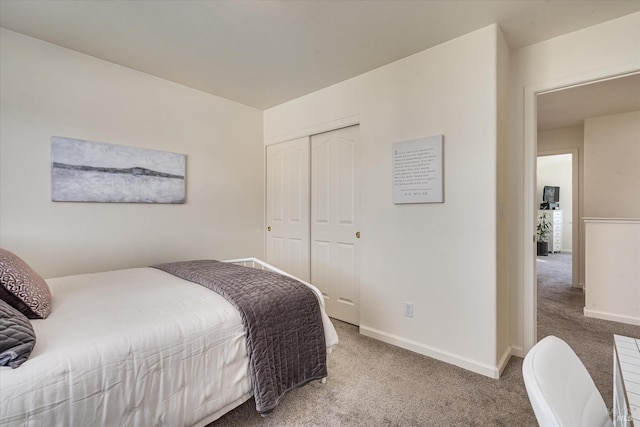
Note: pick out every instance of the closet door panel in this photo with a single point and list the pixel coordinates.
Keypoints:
(334, 221)
(288, 207)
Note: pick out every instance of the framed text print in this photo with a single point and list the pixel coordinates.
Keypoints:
(417, 170)
(86, 171)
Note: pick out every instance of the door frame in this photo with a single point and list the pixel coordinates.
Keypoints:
(530, 300)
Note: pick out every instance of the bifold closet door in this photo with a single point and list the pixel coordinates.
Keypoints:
(288, 207)
(334, 222)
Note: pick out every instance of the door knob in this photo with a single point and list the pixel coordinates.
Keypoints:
(269, 228)
(357, 234)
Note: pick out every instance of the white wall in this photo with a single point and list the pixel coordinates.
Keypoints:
(611, 161)
(441, 257)
(47, 90)
(556, 170)
(600, 51)
(613, 268)
(612, 190)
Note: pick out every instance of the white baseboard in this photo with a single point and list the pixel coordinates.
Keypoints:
(502, 363)
(445, 356)
(632, 320)
(517, 351)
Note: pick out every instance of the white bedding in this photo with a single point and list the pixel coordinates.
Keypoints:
(136, 347)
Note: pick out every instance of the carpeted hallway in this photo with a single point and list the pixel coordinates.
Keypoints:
(560, 314)
(375, 384)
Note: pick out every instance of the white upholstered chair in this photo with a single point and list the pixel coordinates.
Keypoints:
(560, 389)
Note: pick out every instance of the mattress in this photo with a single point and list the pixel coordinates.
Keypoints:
(136, 347)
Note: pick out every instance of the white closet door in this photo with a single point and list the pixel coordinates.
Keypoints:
(334, 222)
(288, 207)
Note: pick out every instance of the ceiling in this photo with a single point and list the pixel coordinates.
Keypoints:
(571, 106)
(262, 53)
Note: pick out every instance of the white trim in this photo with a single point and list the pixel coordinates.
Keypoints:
(611, 316)
(530, 298)
(445, 356)
(314, 129)
(517, 351)
(530, 302)
(504, 360)
(611, 220)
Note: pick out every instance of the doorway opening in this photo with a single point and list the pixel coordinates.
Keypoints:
(556, 172)
(555, 287)
(589, 96)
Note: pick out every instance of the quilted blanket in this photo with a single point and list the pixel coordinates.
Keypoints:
(282, 319)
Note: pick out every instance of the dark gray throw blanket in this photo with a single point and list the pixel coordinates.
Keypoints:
(281, 316)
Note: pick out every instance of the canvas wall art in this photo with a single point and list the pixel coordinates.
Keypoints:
(417, 170)
(86, 171)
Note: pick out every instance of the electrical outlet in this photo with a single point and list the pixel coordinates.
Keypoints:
(408, 309)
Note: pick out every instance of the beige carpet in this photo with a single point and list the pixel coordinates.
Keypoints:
(560, 313)
(375, 384)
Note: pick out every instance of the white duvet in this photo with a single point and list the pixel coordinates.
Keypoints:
(135, 347)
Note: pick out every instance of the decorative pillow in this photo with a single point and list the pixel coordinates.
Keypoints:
(22, 288)
(17, 337)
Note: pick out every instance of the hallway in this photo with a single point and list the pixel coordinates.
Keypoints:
(560, 313)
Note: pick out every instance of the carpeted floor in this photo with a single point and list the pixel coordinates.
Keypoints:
(375, 384)
(560, 313)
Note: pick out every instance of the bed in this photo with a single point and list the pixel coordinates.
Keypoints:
(136, 347)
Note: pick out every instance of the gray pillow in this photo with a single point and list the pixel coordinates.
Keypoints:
(17, 336)
(22, 288)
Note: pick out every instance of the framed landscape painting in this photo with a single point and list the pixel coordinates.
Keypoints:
(86, 171)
